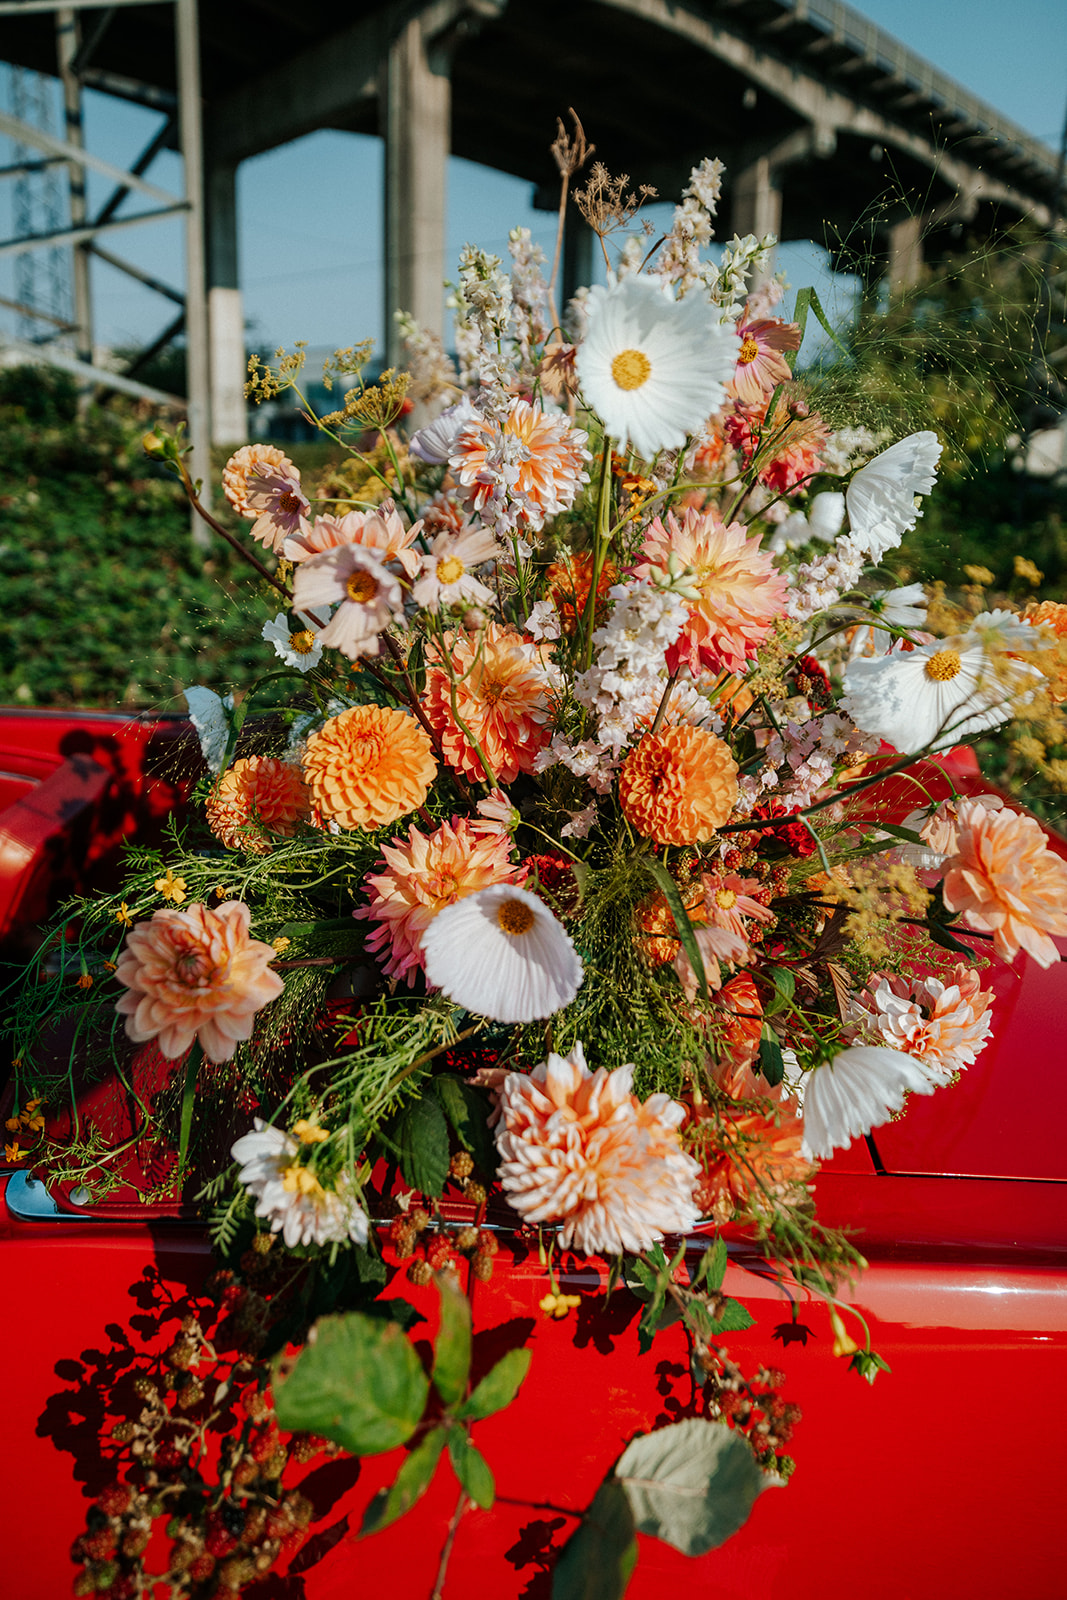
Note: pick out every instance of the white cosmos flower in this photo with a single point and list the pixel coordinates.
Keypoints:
(881, 497)
(858, 1090)
(901, 608)
(298, 647)
(369, 595)
(436, 442)
(289, 1194)
(447, 578)
(935, 695)
(209, 715)
(653, 368)
(501, 953)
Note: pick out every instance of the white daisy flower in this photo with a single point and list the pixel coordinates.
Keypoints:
(209, 715)
(653, 368)
(289, 1194)
(935, 695)
(447, 578)
(881, 497)
(501, 953)
(297, 647)
(858, 1090)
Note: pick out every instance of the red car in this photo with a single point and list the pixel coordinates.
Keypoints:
(944, 1479)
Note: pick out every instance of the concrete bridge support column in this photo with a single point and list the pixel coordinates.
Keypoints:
(416, 109)
(905, 254)
(229, 415)
(757, 208)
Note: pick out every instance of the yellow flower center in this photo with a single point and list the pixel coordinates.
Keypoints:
(288, 503)
(450, 570)
(309, 1133)
(515, 917)
(725, 898)
(301, 1180)
(361, 587)
(749, 351)
(631, 368)
(303, 642)
(943, 666)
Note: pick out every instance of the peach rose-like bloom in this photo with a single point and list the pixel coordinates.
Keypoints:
(368, 766)
(235, 474)
(195, 974)
(578, 1148)
(423, 873)
(1006, 881)
(381, 531)
(502, 698)
(677, 786)
(739, 590)
(255, 798)
(548, 461)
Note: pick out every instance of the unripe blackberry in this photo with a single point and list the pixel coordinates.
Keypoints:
(487, 1242)
(404, 1243)
(475, 1193)
(255, 1523)
(182, 1355)
(123, 1432)
(419, 1219)
(263, 1243)
(245, 1472)
(301, 1509)
(461, 1165)
(482, 1266)
(105, 1576)
(305, 1446)
(191, 1395)
(235, 1572)
(115, 1499)
(202, 1567)
(85, 1583)
(145, 1389)
(256, 1404)
(466, 1240)
(420, 1272)
(135, 1542)
(438, 1252)
(100, 1546)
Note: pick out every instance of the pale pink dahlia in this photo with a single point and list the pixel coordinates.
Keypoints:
(943, 1026)
(740, 592)
(578, 1148)
(195, 974)
(1006, 881)
(423, 873)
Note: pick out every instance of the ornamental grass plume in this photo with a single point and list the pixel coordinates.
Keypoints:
(422, 874)
(579, 1149)
(678, 786)
(502, 700)
(195, 974)
(257, 797)
(1003, 879)
(733, 589)
(369, 766)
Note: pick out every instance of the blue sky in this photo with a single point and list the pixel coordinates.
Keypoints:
(311, 211)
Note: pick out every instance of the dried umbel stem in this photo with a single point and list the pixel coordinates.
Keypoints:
(608, 203)
(570, 155)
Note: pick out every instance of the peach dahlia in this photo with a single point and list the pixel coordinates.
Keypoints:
(369, 766)
(677, 786)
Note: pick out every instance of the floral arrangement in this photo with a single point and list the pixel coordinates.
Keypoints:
(563, 892)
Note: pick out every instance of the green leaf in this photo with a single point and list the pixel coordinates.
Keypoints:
(498, 1388)
(771, 1062)
(452, 1356)
(420, 1135)
(669, 889)
(712, 1268)
(601, 1553)
(410, 1483)
(472, 1469)
(395, 1310)
(734, 1318)
(785, 984)
(691, 1484)
(808, 298)
(358, 1381)
(467, 1109)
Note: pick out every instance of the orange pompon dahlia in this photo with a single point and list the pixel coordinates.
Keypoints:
(255, 798)
(368, 766)
(677, 786)
(658, 939)
(568, 583)
(502, 697)
(739, 591)
(1006, 881)
(423, 873)
(578, 1148)
(235, 474)
(749, 1151)
(547, 452)
(195, 974)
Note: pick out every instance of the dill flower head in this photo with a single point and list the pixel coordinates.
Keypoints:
(678, 786)
(501, 690)
(546, 466)
(195, 974)
(738, 589)
(422, 874)
(256, 797)
(578, 1148)
(235, 474)
(1006, 881)
(368, 766)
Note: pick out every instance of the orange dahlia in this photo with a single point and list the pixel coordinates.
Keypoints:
(368, 766)
(1006, 881)
(501, 690)
(242, 464)
(254, 798)
(423, 873)
(549, 465)
(677, 786)
(195, 974)
(749, 1152)
(739, 590)
(659, 939)
(568, 582)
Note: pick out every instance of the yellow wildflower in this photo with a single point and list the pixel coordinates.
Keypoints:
(12, 1152)
(281, 943)
(301, 1180)
(844, 1344)
(123, 914)
(171, 888)
(559, 1306)
(309, 1132)
(13, 1124)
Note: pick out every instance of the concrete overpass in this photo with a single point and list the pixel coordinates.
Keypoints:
(816, 112)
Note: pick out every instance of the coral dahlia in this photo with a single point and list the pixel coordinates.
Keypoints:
(368, 766)
(258, 796)
(502, 699)
(678, 786)
(1006, 881)
(548, 455)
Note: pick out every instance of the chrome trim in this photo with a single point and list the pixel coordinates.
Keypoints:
(29, 1201)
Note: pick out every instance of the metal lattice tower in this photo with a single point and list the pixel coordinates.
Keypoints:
(42, 277)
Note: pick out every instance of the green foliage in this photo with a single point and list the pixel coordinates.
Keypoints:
(419, 1138)
(692, 1484)
(599, 1557)
(357, 1381)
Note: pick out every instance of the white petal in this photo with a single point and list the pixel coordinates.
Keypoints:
(859, 1090)
(509, 977)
